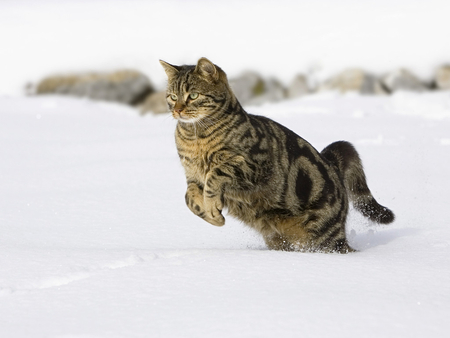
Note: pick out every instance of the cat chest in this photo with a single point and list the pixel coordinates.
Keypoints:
(200, 156)
(195, 164)
(195, 161)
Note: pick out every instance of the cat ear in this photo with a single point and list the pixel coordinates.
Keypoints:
(207, 69)
(170, 70)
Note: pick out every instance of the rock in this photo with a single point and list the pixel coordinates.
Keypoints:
(247, 86)
(273, 91)
(402, 79)
(354, 80)
(299, 87)
(442, 79)
(155, 103)
(125, 86)
(251, 89)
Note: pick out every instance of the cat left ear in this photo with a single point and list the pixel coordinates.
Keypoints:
(207, 69)
(170, 70)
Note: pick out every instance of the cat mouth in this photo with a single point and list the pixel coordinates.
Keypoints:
(186, 117)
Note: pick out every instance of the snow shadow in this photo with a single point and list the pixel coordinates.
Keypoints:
(375, 237)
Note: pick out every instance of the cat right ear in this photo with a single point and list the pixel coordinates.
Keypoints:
(170, 70)
(207, 69)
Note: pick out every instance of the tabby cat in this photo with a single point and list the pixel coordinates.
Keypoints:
(263, 173)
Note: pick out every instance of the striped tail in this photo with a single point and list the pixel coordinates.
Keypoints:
(344, 156)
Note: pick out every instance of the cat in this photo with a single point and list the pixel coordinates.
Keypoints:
(263, 173)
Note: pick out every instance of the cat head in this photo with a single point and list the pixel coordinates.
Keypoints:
(196, 92)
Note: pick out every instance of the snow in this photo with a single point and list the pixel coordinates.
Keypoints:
(95, 238)
(97, 242)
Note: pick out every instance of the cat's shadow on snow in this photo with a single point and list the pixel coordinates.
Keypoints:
(363, 234)
(368, 238)
(376, 236)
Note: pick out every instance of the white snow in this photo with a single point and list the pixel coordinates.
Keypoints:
(95, 238)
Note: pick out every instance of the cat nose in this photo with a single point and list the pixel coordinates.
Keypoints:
(178, 110)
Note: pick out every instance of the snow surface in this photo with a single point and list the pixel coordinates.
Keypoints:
(96, 240)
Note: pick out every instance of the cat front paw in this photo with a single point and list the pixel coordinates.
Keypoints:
(213, 212)
(217, 220)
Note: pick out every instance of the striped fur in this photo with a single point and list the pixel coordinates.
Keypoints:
(263, 173)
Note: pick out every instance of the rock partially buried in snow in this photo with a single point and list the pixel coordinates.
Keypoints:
(273, 91)
(403, 79)
(299, 87)
(251, 89)
(155, 103)
(442, 79)
(354, 80)
(247, 86)
(125, 86)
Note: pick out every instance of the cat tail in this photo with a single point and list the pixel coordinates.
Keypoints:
(344, 156)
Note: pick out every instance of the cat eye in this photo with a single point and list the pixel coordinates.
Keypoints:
(174, 97)
(193, 96)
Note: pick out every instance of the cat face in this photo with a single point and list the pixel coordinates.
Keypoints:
(196, 92)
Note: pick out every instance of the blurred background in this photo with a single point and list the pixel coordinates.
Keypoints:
(275, 38)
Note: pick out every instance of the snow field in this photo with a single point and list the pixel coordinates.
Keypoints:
(95, 239)
(97, 242)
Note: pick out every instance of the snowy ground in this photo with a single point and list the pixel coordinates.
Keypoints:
(96, 240)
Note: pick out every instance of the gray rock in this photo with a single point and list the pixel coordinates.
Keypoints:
(125, 86)
(273, 92)
(251, 89)
(299, 87)
(247, 86)
(155, 103)
(403, 79)
(442, 79)
(354, 80)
